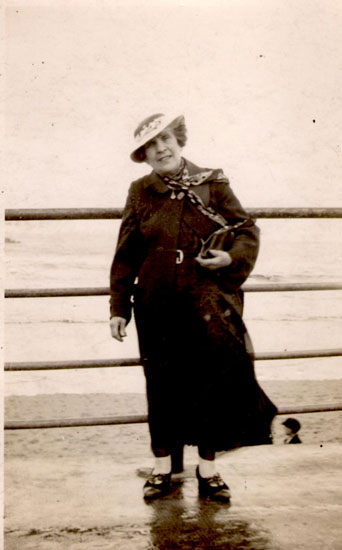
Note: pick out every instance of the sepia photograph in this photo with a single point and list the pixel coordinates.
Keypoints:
(172, 313)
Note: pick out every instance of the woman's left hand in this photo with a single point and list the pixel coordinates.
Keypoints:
(218, 258)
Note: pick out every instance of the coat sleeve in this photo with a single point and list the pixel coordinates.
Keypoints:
(126, 262)
(245, 246)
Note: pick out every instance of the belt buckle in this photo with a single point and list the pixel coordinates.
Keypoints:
(179, 256)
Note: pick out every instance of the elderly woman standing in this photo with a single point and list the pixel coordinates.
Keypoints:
(185, 247)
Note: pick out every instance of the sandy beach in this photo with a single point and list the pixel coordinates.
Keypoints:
(317, 428)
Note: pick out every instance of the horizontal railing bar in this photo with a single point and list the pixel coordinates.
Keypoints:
(55, 292)
(26, 214)
(104, 363)
(285, 287)
(30, 214)
(139, 419)
(74, 422)
(104, 291)
(61, 365)
(300, 354)
(295, 212)
(304, 409)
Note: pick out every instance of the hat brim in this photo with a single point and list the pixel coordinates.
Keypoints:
(168, 121)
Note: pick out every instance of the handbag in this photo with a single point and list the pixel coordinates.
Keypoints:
(221, 239)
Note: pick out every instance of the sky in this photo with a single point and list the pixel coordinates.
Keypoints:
(259, 84)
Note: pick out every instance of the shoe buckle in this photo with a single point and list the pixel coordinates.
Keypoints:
(179, 256)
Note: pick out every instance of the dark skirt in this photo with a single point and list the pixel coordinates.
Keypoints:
(200, 379)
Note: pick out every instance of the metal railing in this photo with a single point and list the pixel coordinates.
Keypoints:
(135, 362)
(140, 419)
(104, 291)
(116, 213)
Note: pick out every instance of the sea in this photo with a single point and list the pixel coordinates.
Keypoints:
(78, 253)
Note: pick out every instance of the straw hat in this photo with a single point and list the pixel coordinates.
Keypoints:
(149, 128)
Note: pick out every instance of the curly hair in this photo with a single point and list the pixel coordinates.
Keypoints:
(179, 131)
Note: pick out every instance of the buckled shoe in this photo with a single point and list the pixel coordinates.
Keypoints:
(157, 485)
(213, 487)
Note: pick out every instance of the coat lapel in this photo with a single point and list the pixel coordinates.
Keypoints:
(157, 184)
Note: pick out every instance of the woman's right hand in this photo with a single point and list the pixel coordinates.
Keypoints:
(118, 328)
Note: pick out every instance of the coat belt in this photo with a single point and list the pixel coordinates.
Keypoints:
(181, 255)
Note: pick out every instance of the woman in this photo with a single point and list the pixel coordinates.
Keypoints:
(201, 387)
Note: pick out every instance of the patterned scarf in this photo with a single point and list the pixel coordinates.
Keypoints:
(181, 183)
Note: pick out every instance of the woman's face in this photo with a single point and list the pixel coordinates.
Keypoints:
(163, 153)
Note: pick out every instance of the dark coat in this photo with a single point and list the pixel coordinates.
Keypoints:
(199, 372)
(149, 237)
